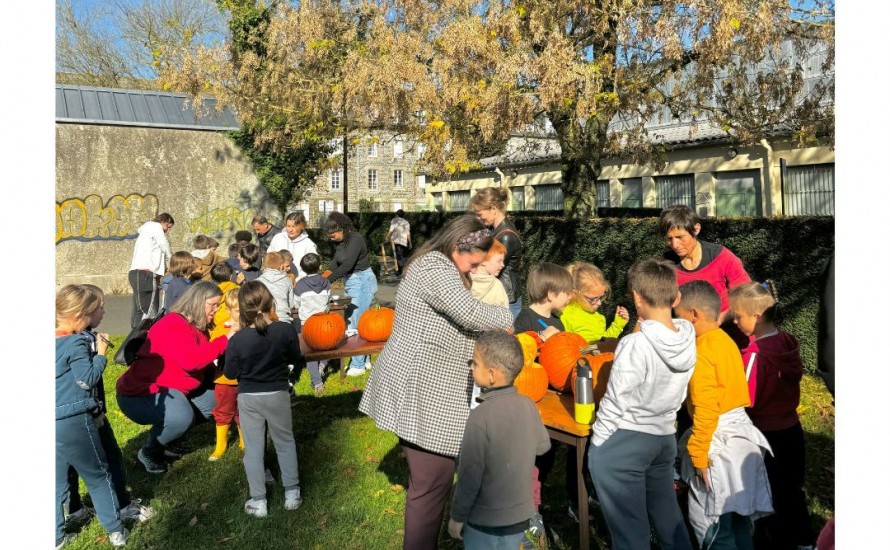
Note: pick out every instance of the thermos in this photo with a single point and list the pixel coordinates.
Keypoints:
(583, 393)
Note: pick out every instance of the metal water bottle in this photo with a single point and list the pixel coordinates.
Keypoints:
(583, 393)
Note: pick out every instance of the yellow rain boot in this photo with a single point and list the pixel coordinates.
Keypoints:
(222, 433)
(240, 438)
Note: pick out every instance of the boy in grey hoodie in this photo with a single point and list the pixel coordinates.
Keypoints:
(312, 294)
(279, 285)
(633, 447)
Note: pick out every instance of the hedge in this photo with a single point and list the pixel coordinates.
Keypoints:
(792, 251)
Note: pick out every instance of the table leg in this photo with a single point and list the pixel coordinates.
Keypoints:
(583, 512)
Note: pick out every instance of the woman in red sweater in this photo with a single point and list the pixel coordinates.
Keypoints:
(702, 261)
(172, 375)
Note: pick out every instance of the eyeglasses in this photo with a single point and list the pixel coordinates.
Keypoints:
(594, 300)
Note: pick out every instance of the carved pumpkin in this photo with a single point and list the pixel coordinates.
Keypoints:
(324, 330)
(529, 348)
(532, 381)
(375, 324)
(600, 368)
(558, 356)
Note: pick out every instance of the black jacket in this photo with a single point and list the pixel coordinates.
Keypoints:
(506, 233)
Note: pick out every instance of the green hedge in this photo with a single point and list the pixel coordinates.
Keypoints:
(791, 251)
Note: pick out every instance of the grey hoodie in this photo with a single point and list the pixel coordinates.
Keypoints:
(648, 381)
(282, 290)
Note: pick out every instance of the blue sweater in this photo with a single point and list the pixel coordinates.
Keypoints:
(78, 370)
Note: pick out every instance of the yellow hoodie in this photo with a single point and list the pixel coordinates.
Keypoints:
(219, 328)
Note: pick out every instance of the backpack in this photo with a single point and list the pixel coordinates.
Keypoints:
(134, 340)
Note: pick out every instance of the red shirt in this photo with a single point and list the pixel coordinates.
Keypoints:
(174, 356)
(724, 272)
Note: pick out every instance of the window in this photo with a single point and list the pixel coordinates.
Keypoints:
(372, 150)
(397, 178)
(632, 193)
(398, 148)
(396, 206)
(372, 179)
(518, 196)
(335, 180)
(671, 190)
(602, 193)
(421, 149)
(459, 200)
(549, 197)
(809, 190)
(437, 201)
(421, 181)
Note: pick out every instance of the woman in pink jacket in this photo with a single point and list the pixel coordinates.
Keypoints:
(172, 375)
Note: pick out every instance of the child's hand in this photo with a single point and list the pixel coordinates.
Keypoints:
(621, 311)
(101, 345)
(548, 332)
(454, 529)
(240, 278)
(703, 474)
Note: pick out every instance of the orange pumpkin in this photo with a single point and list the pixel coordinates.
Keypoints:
(324, 330)
(529, 348)
(600, 368)
(532, 381)
(375, 324)
(558, 356)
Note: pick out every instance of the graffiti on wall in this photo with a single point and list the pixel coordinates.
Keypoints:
(88, 219)
(219, 220)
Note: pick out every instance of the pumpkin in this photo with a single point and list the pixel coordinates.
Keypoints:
(375, 325)
(324, 330)
(529, 348)
(558, 356)
(600, 368)
(532, 381)
(536, 337)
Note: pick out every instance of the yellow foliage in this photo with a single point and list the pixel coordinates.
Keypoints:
(437, 124)
(735, 23)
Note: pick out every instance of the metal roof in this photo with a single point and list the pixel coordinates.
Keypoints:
(148, 108)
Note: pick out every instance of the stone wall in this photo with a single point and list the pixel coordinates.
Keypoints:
(112, 179)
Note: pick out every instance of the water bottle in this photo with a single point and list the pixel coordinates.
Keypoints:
(583, 392)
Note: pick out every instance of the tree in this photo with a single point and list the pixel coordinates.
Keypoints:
(462, 75)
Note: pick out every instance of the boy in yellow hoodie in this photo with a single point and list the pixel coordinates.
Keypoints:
(722, 454)
(226, 391)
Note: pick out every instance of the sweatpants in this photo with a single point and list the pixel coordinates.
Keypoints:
(789, 527)
(730, 532)
(115, 466)
(430, 477)
(146, 294)
(633, 473)
(258, 412)
(78, 444)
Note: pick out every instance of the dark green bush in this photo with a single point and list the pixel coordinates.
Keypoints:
(791, 251)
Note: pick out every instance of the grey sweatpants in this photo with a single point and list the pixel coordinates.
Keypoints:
(256, 411)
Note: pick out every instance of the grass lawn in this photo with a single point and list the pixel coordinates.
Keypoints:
(352, 477)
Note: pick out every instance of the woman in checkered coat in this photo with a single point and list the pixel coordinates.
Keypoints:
(421, 385)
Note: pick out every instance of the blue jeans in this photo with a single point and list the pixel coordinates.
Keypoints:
(170, 414)
(516, 307)
(78, 444)
(115, 467)
(361, 286)
(477, 540)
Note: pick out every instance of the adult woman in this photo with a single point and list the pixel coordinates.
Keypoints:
(421, 386)
(351, 262)
(172, 375)
(702, 261)
(490, 206)
(150, 255)
(295, 240)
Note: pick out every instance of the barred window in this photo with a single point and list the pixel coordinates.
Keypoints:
(809, 190)
(671, 190)
(335, 180)
(518, 196)
(632, 193)
(459, 200)
(602, 193)
(549, 197)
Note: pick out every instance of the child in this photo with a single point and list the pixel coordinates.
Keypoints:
(248, 256)
(233, 261)
(311, 296)
(775, 369)
(79, 413)
(276, 280)
(492, 498)
(182, 264)
(226, 389)
(581, 316)
(288, 267)
(632, 446)
(722, 454)
(205, 252)
(549, 288)
(486, 286)
(258, 356)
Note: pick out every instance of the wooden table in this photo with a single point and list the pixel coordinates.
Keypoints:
(350, 347)
(558, 414)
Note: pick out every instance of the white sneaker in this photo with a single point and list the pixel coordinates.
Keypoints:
(66, 539)
(292, 499)
(256, 508)
(119, 538)
(352, 371)
(79, 518)
(136, 511)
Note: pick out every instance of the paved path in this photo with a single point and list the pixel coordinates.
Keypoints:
(119, 307)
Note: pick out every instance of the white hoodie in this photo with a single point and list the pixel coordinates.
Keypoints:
(152, 249)
(298, 247)
(648, 381)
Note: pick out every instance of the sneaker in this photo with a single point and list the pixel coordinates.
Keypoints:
(151, 466)
(136, 511)
(256, 508)
(67, 539)
(79, 518)
(270, 480)
(172, 455)
(292, 499)
(119, 538)
(319, 389)
(352, 371)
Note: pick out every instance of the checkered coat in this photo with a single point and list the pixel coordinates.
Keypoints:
(421, 385)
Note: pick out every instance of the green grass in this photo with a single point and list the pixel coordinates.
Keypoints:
(353, 481)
